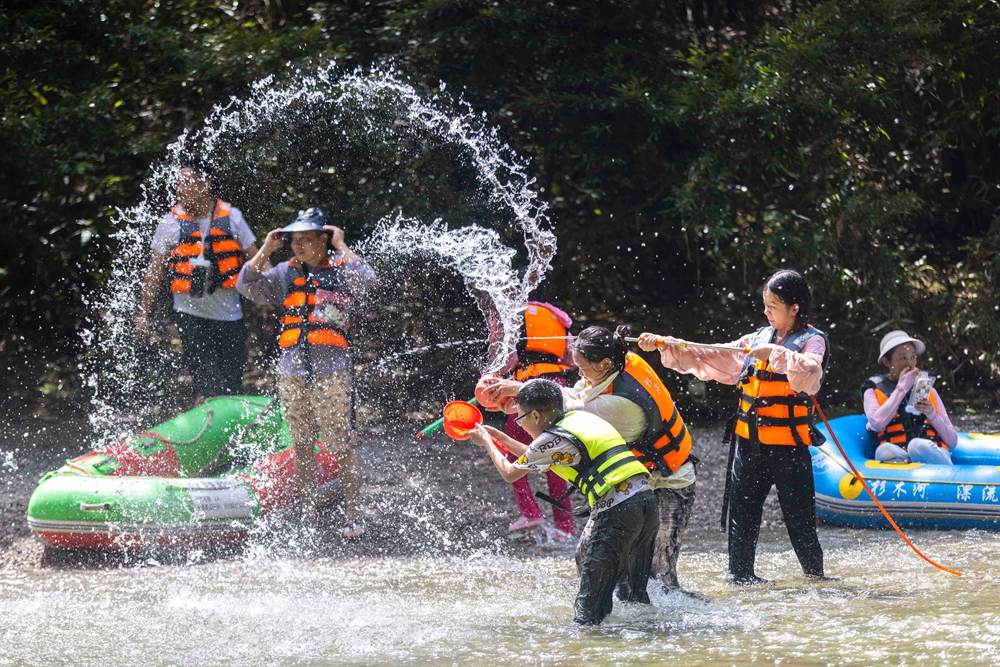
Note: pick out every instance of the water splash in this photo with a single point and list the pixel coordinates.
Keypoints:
(285, 146)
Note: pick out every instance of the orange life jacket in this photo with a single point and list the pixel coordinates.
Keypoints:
(903, 426)
(770, 412)
(666, 443)
(326, 320)
(221, 249)
(539, 354)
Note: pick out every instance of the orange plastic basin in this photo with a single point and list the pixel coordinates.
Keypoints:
(460, 417)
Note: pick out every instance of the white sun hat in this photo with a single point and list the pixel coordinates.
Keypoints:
(896, 338)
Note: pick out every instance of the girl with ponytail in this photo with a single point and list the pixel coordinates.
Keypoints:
(777, 368)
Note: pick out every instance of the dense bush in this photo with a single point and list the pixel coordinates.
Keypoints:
(687, 150)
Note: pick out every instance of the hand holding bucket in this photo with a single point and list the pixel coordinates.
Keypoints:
(486, 395)
(460, 417)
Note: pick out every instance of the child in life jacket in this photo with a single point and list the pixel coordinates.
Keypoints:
(541, 353)
(901, 436)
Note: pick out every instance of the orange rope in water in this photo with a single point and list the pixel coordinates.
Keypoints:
(872, 495)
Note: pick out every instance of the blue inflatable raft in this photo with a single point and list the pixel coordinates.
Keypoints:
(917, 495)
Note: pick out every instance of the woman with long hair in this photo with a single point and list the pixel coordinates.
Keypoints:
(773, 427)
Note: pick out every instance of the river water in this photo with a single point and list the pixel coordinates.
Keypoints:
(491, 607)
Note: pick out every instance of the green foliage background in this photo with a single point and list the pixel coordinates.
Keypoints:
(687, 150)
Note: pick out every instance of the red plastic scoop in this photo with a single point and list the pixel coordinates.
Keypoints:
(460, 417)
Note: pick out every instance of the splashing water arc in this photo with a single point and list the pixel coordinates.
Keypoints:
(354, 107)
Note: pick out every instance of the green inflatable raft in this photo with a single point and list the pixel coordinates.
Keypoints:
(201, 479)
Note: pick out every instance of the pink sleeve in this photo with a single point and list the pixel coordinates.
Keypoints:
(879, 416)
(942, 423)
(719, 365)
(804, 369)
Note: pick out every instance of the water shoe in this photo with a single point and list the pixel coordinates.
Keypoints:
(353, 529)
(524, 523)
(751, 580)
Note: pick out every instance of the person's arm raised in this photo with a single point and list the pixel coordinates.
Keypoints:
(339, 244)
(260, 260)
(723, 366)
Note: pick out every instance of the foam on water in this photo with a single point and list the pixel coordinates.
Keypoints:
(374, 106)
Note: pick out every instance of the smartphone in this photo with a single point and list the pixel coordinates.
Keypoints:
(920, 392)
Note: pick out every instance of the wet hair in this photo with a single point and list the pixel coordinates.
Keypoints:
(542, 395)
(595, 344)
(789, 287)
(200, 167)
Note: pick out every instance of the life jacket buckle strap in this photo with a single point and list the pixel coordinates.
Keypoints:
(557, 503)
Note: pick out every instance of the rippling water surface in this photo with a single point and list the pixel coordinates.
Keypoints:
(272, 608)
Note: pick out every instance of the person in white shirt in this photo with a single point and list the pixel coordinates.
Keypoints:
(200, 246)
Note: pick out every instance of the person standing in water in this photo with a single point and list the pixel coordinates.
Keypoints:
(317, 290)
(621, 388)
(201, 244)
(541, 352)
(902, 436)
(773, 427)
(591, 455)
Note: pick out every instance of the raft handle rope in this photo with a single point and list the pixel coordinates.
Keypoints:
(238, 438)
(205, 427)
(861, 479)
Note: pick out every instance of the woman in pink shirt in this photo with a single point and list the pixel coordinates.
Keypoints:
(778, 369)
(924, 435)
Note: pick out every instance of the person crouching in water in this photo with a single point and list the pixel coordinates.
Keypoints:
(591, 455)
(773, 428)
(317, 289)
(900, 436)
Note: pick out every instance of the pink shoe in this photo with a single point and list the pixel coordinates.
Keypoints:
(524, 523)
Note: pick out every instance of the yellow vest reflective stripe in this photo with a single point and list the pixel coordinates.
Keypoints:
(605, 459)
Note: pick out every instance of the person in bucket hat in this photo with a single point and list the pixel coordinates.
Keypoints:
(317, 290)
(922, 435)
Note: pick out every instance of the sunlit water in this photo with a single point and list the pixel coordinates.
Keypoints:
(489, 608)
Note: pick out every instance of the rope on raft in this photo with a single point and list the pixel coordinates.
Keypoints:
(872, 495)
